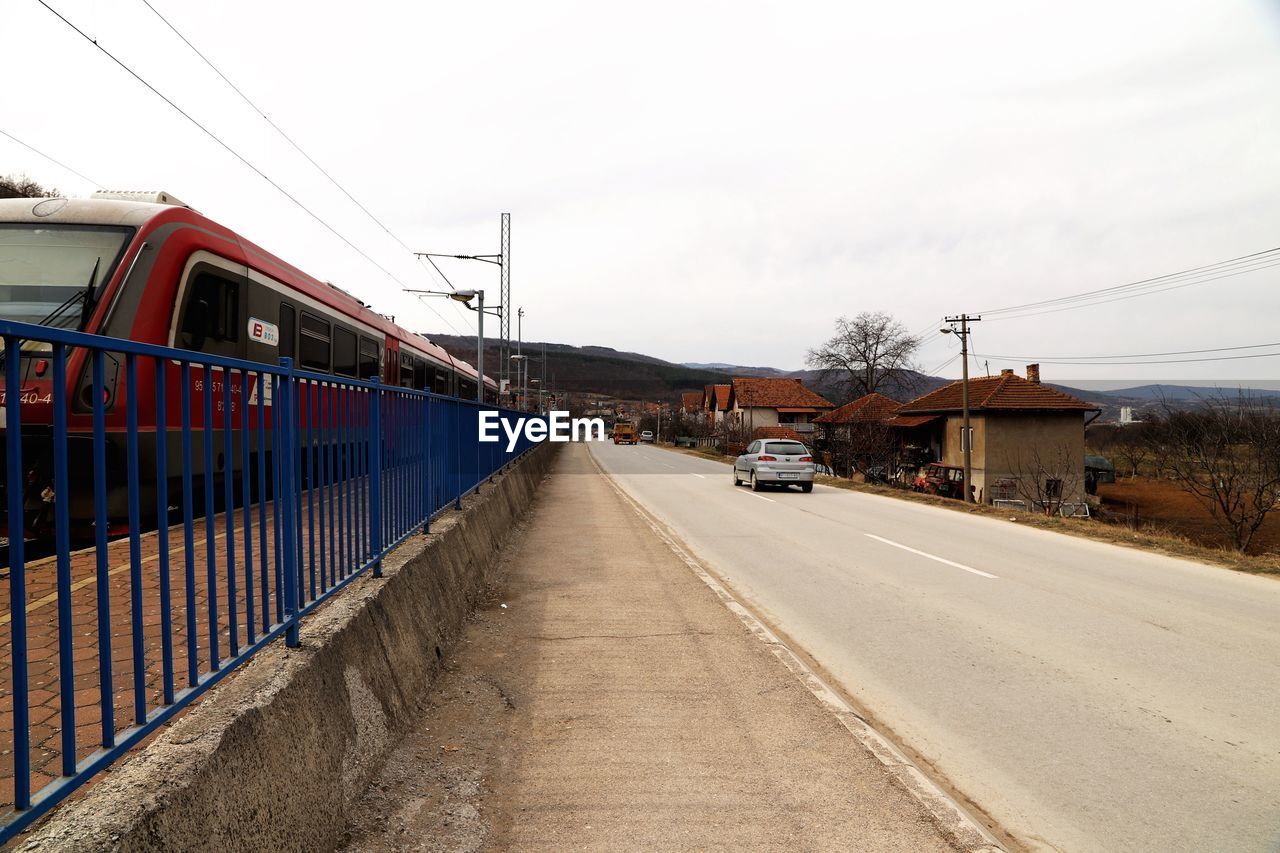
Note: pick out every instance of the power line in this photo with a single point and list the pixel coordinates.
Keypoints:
(1145, 287)
(233, 152)
(55, 162)
(1176, 286)
(1086, 358)
(1165, 361)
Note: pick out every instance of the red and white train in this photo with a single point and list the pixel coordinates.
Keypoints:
(145, 267)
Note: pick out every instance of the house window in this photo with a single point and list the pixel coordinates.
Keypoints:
(313, 343)
(966, 445)
(1053, 488)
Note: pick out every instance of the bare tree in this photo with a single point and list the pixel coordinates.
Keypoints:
(1132, 446)
(20, 186)
(1226, 455)
(1046, 477)
(862, 446)
(868, 353)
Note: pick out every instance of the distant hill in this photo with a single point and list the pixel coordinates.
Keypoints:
(1158, 392)
(635, 376)
(596, 369)
(737, 369)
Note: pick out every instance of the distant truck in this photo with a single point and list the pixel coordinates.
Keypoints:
(624, 432)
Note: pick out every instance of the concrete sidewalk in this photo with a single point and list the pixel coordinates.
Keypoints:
(606, 699)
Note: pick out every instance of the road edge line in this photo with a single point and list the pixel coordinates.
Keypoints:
(957, 824)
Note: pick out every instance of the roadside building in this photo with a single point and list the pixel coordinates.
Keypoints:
(858, 436)
(756, 402)
(1027, 438)
(715, 402)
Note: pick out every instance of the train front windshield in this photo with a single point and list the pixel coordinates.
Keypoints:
(49, 274)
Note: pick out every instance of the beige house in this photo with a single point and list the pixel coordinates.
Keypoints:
(1028, 438)
(770, 402)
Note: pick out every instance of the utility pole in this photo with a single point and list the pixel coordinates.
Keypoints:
(520, 355)
(504, 299)
(966, 437)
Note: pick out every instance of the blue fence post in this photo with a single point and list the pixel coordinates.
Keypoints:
(62, 524)
(106, 692)
(375, 476)
(426, 465)
(285, 498)
(17, 575)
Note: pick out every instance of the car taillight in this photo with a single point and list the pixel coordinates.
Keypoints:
(806, 458)
(767, 459)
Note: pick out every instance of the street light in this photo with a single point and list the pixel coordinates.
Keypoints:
(465, 297)
(522, 362)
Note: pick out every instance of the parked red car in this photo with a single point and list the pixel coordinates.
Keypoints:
(939, 479)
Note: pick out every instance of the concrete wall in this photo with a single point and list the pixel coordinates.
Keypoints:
(1035, 447)
(1006, 447)
(953, 451)
(275, 757)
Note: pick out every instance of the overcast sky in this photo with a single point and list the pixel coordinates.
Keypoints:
(712, 181)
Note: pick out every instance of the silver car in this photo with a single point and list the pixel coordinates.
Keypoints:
(774, 462)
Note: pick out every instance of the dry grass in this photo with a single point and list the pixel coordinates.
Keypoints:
(1148, 537)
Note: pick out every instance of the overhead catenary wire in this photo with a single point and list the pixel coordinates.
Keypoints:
(292, 142)
(50, 158)
(244, 160)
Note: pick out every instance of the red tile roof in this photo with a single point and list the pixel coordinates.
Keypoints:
(777, 432)
(716, 397)
(1006, 392)
(775, 393)
(691, 401)
(911, 421)
(871, 407)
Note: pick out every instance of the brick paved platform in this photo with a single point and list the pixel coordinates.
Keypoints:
(45, 699)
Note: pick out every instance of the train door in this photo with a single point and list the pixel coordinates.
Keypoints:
(391, 363)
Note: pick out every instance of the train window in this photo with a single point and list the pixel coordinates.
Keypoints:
(211, 316)
(441, 385)
(313, 343)
(288, 330)
(368, 359)
(419, 375)
(406, 370)
(344, 351)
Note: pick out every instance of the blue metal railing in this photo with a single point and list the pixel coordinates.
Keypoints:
(308, 480)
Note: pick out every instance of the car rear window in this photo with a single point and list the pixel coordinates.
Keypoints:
(786, 448)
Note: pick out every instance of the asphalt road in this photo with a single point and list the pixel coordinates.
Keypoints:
(1086, 696)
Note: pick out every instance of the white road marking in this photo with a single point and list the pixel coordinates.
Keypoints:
(699, 476)
(931, 556)
(761, 497)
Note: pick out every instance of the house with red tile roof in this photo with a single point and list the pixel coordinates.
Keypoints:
(691, 402)
(872, 407)
(756, 402)
(715, 402)
(857, 436)
(1027, 438)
